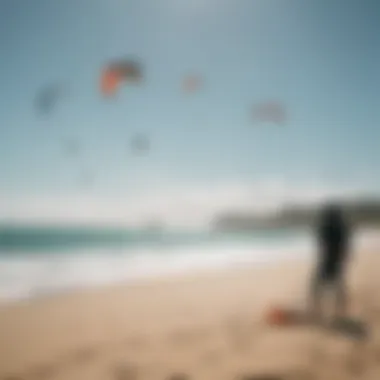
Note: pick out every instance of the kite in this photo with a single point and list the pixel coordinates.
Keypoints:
(273, 112)
(140, 143)
(114, 74)
(48, 97)
(191, 84)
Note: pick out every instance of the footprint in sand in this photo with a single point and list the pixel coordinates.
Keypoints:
(125, 372)
(84, 355)
(297, 375)
(305, 374)
(178, 376)
(43, 371)
(260, 377)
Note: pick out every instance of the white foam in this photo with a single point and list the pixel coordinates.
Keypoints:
(28, 275)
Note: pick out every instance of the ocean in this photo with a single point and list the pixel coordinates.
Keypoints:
(38, 261)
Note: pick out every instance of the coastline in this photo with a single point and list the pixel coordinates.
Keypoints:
(182, 324)
(49, 273)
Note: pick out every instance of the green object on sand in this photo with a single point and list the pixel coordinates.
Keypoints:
(350, 327)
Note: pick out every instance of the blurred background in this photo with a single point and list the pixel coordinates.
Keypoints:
(150, 137)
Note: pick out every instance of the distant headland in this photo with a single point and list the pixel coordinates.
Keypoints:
(363, 212)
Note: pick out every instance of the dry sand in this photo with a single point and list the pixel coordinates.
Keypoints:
(199, 327)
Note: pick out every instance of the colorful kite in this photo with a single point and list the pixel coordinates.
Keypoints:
(116, 73)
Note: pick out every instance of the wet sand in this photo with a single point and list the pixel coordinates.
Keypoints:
(208, 326)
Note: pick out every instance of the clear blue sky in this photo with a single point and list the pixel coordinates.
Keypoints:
(321, 58)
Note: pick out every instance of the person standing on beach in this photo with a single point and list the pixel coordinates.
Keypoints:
(333, 235)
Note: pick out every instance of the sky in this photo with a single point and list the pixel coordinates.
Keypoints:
(321, 59)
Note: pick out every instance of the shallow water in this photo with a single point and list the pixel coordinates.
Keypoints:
(36, 262)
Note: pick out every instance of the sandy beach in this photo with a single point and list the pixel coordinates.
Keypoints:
(208, 326)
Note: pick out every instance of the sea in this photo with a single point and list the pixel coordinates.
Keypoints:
(36, 261)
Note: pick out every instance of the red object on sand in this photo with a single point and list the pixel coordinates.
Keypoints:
(280, 317)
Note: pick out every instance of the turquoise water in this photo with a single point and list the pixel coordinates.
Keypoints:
(36, 261)
(40, 239)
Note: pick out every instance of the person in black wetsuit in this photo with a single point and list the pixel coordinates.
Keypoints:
(333, 235)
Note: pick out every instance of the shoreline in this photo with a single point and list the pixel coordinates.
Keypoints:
(245, 258)
(162, 279)
(173, 324)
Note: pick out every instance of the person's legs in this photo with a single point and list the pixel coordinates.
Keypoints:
(340, 296)
(316, 292)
